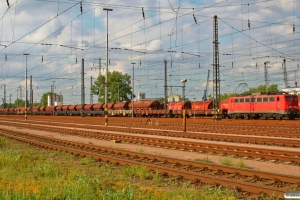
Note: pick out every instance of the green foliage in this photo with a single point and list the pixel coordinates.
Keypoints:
(226, 161)
(226, 96)
(87, 161)
(205, 160)
(119, 84)
(35, 174)
(161, 99)
(262, 89)
(44, 98)
(241, 164)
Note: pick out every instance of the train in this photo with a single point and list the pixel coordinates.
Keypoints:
(255, 106)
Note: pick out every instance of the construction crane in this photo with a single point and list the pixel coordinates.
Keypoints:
(204, 98)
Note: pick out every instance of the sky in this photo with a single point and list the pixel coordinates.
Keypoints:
(58, 34)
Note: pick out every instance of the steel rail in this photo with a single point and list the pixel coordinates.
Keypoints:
(190, 175)
(197, 146)
(248, 139)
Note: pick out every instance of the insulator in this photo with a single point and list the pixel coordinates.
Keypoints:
(256, 65)
(76, 60)
(109, 61)
(195, 18)
(140, 63)
(143, 12)
(7, 3)
(42, 58)
(199, 65)
(248, 24)
(232, 64)
(5, 57)
(81, 7)
(171, 63)
(293, 28)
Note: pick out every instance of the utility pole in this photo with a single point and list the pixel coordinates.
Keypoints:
(26, 54)
(91, 94)
(295, 78)
(53, 98)
(20, 92)
(118, 92)
(9, 100)
(82, 89)
(99, 67)
(284, 74)
(132, 95)
(17, 99)
(106, 73)
(266, 76)
(183, 111)
(4, 99)
(216, 67)
(165, 100)
(31, 96)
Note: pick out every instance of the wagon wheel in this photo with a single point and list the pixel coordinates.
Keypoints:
(246, 116)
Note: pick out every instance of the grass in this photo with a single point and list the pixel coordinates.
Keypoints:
(30, 173)
(241, 164)
(226, 161)
(205, 160)
(232, 162)
(140, 150)
(159, 154)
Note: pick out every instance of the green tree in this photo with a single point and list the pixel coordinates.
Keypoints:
(262, 89)
(226, 96)
(19, 103)
(44, 98)
(119, 88)
(161, 99)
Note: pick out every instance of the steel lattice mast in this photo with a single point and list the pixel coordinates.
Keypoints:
(216, 67)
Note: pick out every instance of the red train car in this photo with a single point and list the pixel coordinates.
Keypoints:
(201, 108)
(175, 108)
(223, 107)
(120, 109)
(278, 106)
(145, 107)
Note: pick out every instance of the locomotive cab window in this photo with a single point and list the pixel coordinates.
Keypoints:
(253, 99)
(295, 98)
(288, 98)
(242, 100)
(247, 99)
(265, 99)
(259, 99)
(236, 100)
(272, 99)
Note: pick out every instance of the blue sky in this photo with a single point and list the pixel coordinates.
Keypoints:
(168, 26)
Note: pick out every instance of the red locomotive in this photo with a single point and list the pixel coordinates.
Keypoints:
(278, 106)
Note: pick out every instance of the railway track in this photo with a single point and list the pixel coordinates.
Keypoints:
(286, 129)
(261, 140)
(249, 183)
(236, 150)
